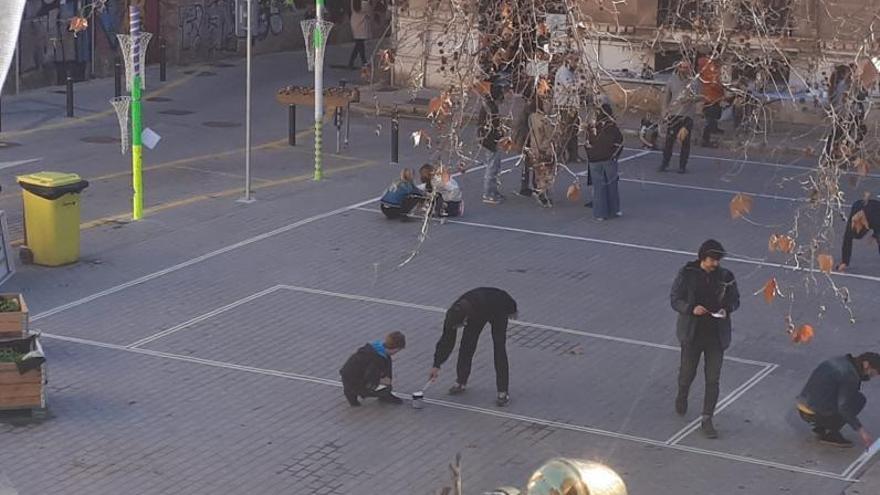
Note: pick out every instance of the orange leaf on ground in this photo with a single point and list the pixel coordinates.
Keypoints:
(803, 334)
(781, 243)
(740, 205)
(826, 262)
(770, 290)
(543, 87)
(574, 192)
(483, 87)
(859, 223)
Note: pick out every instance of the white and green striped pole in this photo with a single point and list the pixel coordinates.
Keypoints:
(136, 123)
(318, 45)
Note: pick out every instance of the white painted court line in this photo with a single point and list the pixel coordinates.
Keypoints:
(218, 252)
(723, 403)
(740, 161)
(435, 309)
(644, 247)
(716, 190)
(464, 407)
(853, 469)
(198, 319)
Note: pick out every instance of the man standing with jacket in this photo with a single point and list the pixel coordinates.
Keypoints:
(864, 217)
(831, 397)
(704, 295)
(474, 309)
(490, 135)
(679, 99)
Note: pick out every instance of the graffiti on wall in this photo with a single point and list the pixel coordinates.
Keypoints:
(208, 26)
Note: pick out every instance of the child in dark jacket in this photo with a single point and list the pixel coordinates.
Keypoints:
(367, 373)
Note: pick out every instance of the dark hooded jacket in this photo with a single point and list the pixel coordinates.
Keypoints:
(365, 368)
(478, 306)
(871, 208)
(683, 298)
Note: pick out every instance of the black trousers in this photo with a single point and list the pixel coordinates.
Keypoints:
(833, 422)
(707, 344)
(360, 47)
(392, 212)
(712, 114)
(673, 126)
(468, 347)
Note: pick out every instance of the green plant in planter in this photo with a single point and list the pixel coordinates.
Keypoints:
(9, 305)
(8, 355)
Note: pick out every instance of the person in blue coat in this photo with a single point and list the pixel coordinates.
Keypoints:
(401, 197)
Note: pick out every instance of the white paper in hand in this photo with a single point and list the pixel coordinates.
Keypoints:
(150, 138)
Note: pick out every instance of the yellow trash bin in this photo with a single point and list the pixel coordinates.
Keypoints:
(51, 216)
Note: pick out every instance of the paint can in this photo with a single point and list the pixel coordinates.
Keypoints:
(418, 400)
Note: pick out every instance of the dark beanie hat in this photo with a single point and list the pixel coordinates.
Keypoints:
(711, 249)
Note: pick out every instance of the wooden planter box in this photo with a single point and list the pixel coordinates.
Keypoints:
(23, 391)
(333, 97)
(14, 325)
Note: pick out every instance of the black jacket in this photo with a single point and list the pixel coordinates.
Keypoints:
(490, 125)
(683, 300)
(833, 389)
(605, 144)
(872, 214)
(365, 368)
(480, 305)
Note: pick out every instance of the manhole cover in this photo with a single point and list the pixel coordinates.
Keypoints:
(100, 139)
(220, 123)
(159, 99)
(206, 73)
(419, 101)
(176, 112)
(222, 65)
(7, 144)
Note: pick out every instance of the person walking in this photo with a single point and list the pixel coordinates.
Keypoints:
(474, 309)
(680, 96)
(704, 295)
(713, 94)
(864, 217)
(361, 13)
(490, 135)
(832, 397)
(606, 144)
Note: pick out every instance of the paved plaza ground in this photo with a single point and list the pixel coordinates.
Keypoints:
(197, 351)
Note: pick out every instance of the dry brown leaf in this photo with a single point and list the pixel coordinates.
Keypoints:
(770, 290)
(543, 87)
(506, 144)
(78, 24)
(543, 30)
(366, 73)
(826, 262)
(862, 166)
(421, 136)
(574, 192)
(803, 334)
(682, 134)
(483, 87)
(781, 243)
(439, 105)
(386, 59)
(859, 223)
(740, 205)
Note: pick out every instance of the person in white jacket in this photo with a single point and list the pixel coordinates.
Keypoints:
(448, 201)
(361, 12)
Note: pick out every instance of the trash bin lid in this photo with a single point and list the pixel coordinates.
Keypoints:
(49, 179)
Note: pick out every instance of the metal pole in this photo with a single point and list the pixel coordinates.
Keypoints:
(69, 93)
(347, 122)
(162, 61)
(319, 86)
(18, 64)
(92, 44)
(291, 125)
(337, 122)
(117, 79)
(137, 212)
(395, 138)
(247, 110)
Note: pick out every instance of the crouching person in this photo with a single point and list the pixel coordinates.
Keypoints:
(367, 373)
(831, 398)
(444, 189)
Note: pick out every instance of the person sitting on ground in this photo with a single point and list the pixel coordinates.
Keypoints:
(444, 189)
(367, 373)
(401, 197)
(864, 217)
(831, 397)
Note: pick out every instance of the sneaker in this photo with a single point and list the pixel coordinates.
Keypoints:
(503, 399)
(456, 389)
(681, 406)
(835, 439)
(588, 204)
(491, 200)
(708, 428)
(618, 214)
